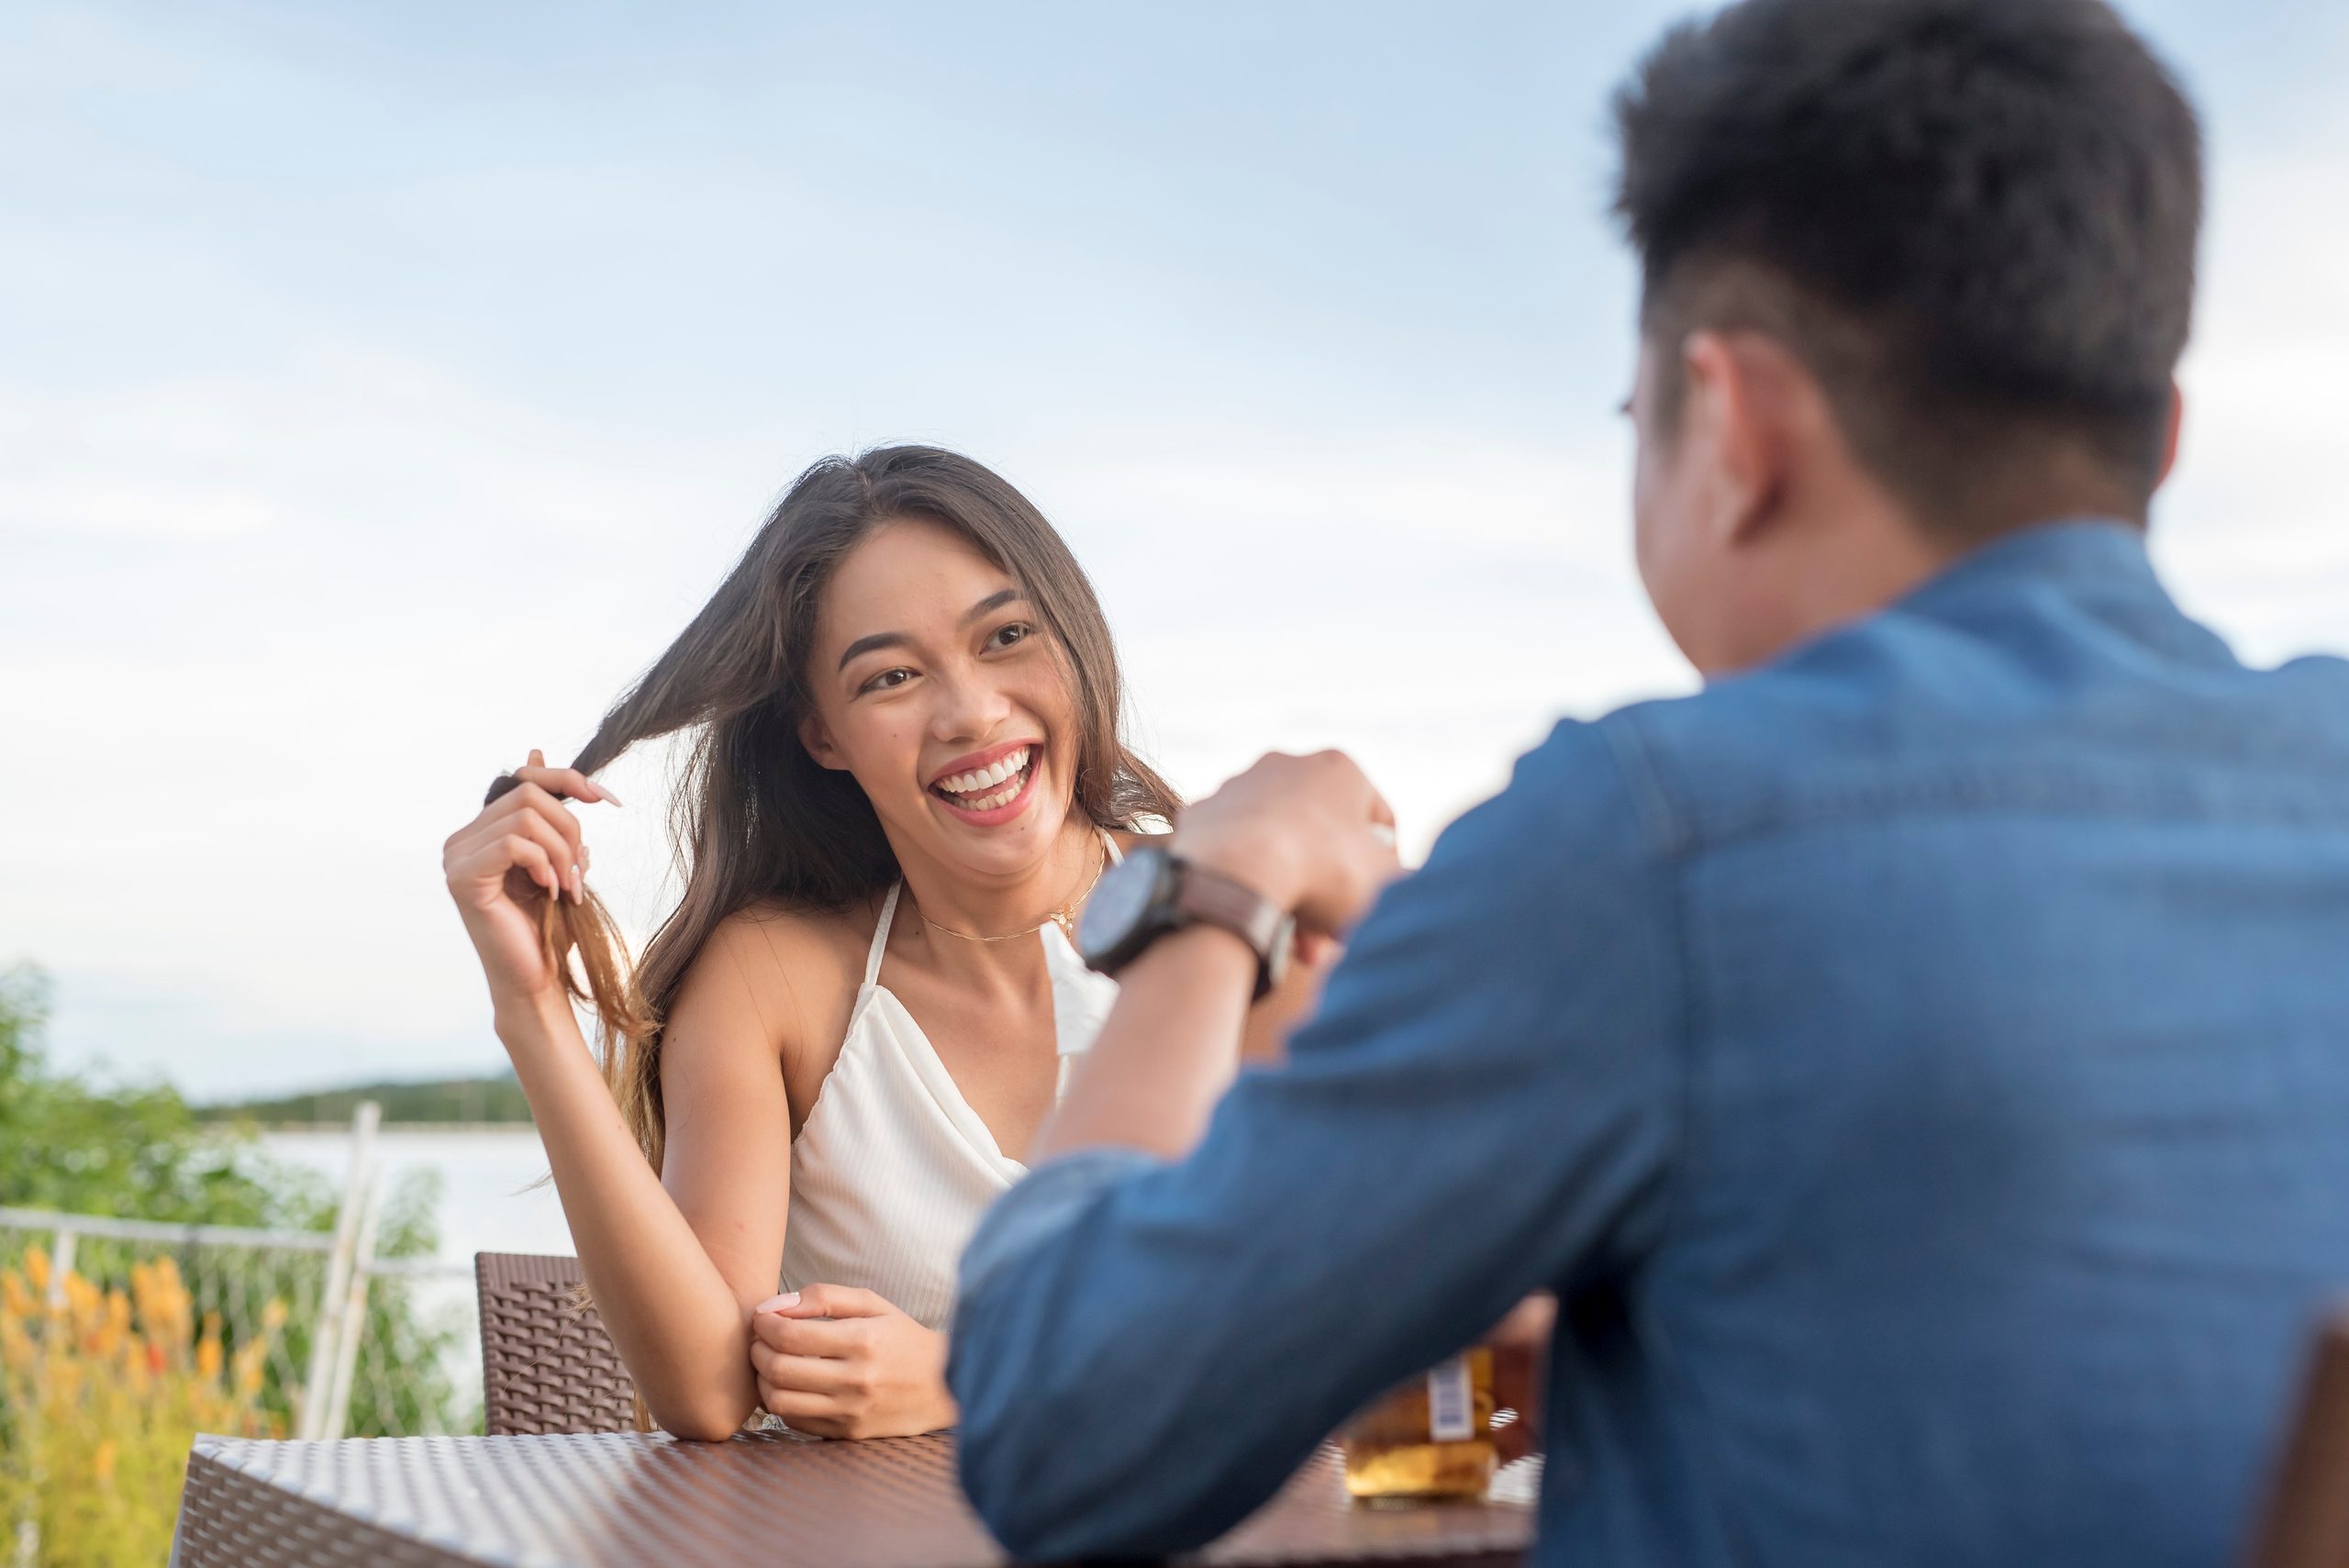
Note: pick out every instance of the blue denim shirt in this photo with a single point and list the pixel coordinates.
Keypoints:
(1920, 1065)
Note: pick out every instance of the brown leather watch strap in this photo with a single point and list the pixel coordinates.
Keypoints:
(1211, 898)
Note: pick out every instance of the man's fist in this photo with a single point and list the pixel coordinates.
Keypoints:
(1310, 833)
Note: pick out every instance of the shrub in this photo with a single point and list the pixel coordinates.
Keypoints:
(104, 1391)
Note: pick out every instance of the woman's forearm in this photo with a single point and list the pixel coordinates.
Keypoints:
(676, 1321)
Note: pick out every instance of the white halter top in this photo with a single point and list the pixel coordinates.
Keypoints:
(892, 1168)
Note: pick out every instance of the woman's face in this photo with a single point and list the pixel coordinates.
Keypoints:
(938, 687)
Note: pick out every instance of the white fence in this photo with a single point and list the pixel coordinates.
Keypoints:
(324, 1279)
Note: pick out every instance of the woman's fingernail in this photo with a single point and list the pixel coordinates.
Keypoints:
(603, 794)
(778, 1303)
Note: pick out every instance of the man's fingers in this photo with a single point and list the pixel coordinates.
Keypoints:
(1313, 949)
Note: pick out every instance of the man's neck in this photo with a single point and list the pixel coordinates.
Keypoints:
(1845, 565)
(1804, 586)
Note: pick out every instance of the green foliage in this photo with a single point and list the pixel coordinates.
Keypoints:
(130, 1151)
(494, 1099)
(68, 1144)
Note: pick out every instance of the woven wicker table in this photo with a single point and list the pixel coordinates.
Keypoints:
(760, 1499)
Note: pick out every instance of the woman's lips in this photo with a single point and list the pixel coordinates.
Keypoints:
(972, 783)
(993, 795)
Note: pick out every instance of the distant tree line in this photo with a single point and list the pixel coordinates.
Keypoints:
(493, 1099)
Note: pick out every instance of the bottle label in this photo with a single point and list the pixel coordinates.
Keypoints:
(1451, 1404)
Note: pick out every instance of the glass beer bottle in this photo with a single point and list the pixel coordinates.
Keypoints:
(1430, 1438)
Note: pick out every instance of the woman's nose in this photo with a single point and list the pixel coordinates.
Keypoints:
(972, 707)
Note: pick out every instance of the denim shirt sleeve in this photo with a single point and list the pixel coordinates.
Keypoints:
(1485, 1105)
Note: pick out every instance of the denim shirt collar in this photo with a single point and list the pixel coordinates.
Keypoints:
(2099, 564)
(2100, 553)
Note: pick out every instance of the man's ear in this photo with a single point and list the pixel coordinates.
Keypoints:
(2169, 437)
(816, 737)
(1733, 411)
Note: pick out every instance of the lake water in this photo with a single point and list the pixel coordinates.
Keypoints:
(487, 1204)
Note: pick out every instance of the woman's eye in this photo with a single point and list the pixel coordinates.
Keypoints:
(887, 680)
(1005, 636)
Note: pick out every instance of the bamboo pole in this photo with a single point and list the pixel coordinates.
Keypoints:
(326, 1334)
(354, 1313)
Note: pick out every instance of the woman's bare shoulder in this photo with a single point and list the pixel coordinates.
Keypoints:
(794, 969)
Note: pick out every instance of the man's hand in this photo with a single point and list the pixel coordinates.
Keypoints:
(1310, 833)
(841, 1362)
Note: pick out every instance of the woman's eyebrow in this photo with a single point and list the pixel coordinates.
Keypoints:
(988, 606)
(868, 644)
(992, 603)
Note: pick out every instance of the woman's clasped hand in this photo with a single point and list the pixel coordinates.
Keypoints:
(842, 1363)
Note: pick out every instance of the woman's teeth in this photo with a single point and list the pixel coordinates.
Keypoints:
(1010, 771)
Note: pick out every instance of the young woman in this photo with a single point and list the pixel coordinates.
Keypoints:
(908, 775)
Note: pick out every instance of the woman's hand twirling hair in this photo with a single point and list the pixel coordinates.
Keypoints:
(587, 927)
(755, 816)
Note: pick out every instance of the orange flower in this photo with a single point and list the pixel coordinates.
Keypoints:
(102, 1462)
(18, 1300)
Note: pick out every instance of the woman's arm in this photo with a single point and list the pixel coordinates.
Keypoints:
(674, 1266)
(674, 1269)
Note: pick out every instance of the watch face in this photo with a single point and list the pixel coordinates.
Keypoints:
(1119, 901)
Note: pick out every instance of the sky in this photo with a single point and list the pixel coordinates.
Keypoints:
(381, 386)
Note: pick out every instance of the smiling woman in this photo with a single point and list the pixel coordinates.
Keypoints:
(834, 1051)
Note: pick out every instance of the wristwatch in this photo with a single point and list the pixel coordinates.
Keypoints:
(1151, 893)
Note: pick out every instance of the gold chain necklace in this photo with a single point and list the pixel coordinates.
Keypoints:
(1065, 916)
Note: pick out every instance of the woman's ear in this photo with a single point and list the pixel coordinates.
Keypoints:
(816, 736)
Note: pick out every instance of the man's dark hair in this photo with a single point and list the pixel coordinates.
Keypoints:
(1972, 220)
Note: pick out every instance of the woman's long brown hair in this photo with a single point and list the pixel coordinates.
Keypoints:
(754, 816)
